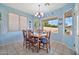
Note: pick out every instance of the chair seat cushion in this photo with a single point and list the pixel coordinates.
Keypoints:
(43, 40)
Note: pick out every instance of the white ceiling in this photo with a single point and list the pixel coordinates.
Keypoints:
(31, 8)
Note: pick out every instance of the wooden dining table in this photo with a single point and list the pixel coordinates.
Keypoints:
(38, 36)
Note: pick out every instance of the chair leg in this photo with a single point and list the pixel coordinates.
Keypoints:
(23, 43)
(26, 45)
(29, 45)
(47, 47)
(38, 47)
(32, 46)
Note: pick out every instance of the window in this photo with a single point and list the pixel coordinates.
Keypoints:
(68, 22)
(51, 25)
(36, 24)
(68, 25)
(29, 24)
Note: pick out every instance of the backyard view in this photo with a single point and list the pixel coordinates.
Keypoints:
(51, 25)
(68, 26)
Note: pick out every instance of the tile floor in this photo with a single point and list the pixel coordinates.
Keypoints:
(18, 49)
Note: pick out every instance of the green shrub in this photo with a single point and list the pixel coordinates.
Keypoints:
(49, 25)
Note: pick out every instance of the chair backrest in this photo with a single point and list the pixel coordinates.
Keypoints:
(24, 33)
(29, 34)
(30, 31)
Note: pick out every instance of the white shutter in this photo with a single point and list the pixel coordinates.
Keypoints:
(23, 23)
(13, 22)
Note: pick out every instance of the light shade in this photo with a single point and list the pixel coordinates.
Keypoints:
(39, 14)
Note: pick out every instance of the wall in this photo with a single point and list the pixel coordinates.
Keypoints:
(7, 37)
(69, 41)
(60, 37)
(3, 24)
(5, 11)
(77, 28)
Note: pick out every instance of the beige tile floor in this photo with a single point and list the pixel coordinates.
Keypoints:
(18, 49)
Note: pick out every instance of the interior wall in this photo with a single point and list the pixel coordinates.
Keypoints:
(60, 37)
(6, 36)
(77, 28)
(4, 13)
(59, 12)
(5, 16)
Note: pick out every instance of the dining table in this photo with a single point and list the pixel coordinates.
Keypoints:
(38, 36)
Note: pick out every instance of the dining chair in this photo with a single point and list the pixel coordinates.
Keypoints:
(26, 41)
(24, 36)
(30, 41)
(45, 42)
(48, 36)
(34, 42)
(31, 38)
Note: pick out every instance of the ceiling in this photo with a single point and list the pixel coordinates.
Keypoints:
(31, 8)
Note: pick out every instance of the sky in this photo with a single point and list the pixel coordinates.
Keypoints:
(68, 21)
(53, 22)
